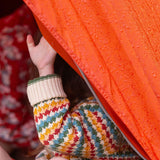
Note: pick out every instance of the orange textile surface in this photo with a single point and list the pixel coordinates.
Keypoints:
(116, 43)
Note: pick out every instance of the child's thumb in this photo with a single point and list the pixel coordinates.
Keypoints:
(30, 42)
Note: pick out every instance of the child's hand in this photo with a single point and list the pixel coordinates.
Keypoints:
(42, 55)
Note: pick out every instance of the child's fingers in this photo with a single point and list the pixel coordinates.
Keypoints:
(44, 42)
(30, 42)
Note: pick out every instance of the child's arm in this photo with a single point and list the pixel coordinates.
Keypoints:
(53, 120)
(86, 132)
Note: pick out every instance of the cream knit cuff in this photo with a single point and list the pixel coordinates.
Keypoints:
(44, 88)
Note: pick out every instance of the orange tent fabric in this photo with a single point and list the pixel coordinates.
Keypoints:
(116, 44)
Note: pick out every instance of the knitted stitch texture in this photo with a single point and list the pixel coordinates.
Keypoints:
(84, 131)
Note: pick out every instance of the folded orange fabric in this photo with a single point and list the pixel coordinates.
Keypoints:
(116, 44)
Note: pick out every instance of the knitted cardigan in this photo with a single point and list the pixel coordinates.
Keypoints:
(84, 131)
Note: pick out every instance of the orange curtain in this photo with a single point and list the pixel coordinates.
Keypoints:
(116, 43)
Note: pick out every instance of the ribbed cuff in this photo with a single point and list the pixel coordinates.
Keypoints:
(44, 88)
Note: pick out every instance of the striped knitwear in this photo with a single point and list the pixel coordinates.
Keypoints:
(83, 131)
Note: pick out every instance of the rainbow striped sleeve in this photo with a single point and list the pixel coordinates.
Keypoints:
(85, 131)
